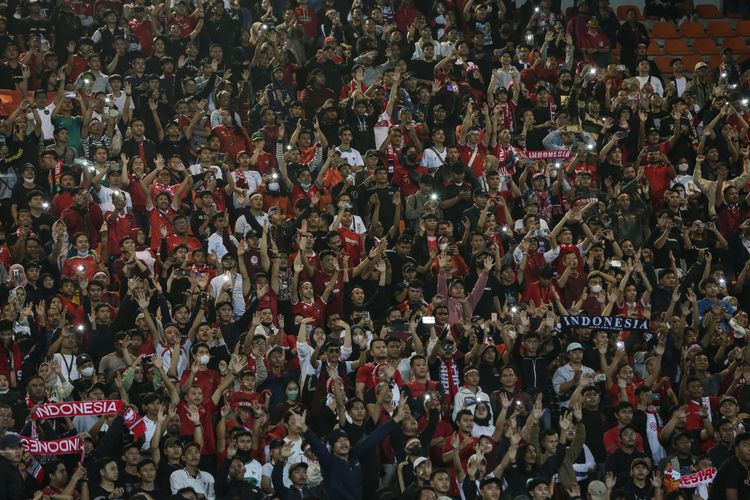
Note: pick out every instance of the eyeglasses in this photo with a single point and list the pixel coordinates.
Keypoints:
(334, 351)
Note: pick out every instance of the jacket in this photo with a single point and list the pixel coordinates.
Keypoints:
(11, 485)
(343, 479)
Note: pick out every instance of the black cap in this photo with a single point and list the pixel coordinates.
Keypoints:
(82, 359)
(10, 440)
(335, 435)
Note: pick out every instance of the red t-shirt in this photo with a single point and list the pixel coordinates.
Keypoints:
(70, 268)
(158, 218)
(611, 440)
(208, 380)
(311, 310)
(206, 411)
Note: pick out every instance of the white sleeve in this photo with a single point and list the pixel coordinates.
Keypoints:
(551, 255)
(346, 352)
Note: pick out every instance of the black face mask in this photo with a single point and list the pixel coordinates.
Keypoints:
(411, 158)
(414, 450)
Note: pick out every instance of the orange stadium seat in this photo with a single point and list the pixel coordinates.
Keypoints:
(708, 11)
(705, 46)
(713, 62)
(622, 11)
(654, 49)
(689, 62)
(677, 47)
(693, 30)
(720, 29)
(662, 62)
(737, 45)
(664, 30)
(742, 28)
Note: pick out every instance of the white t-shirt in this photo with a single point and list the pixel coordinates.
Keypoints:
(352, 157)
(105, 199)
(433, 158)
(216, 242)
(196, 169)
(45, 115)
(238, 301)
(655, 83)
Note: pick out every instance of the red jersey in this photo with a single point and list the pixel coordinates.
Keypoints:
(405, 182)
(473, 157)
(611, 440)
(352, 244)
(121, 227)
(158, 218)
(73, 265)
(206, 411)
(208, 380)
(336, 301)
(309, 21)
(233, 140)
(190, 242)
(145, 35)
(314, 309)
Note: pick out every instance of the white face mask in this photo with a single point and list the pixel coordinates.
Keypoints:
(305, 185)
(443, 246)
(87, 372)
(683, 167)
(204, 359)
(273, 186)
(595, 288)
(29, 179)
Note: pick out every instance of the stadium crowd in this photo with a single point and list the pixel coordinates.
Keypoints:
(382, 249)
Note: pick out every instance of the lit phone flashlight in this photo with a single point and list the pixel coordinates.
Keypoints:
(45, 205)
(274, 176)
(80, 328)
(620, 346)
(80, 268)
(514, 310)
(434, 197)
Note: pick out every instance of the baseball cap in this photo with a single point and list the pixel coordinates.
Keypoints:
(573, 346)
(10, 440)
(419, 461)
(257, 136)
(700, 65)
(597, 490)
(297, 465)
(83, 359)
(640, 461)
(727, 397)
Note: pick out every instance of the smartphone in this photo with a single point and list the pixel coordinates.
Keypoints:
(615, 263)
(183, 272)
(493, 317)
(450, 87)
(16, 274)
(364, 315)
(600, 377)
(221, 157)
(428, 320)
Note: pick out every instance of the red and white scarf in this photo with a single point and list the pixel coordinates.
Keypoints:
(133, 421)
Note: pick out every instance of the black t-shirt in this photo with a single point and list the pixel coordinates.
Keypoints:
(619, 464)
(40, 27)
(163, 472)
(156, 494)
(633, 492)
(423, 70)
(485, 307)
(508, 294)
(731, 476)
